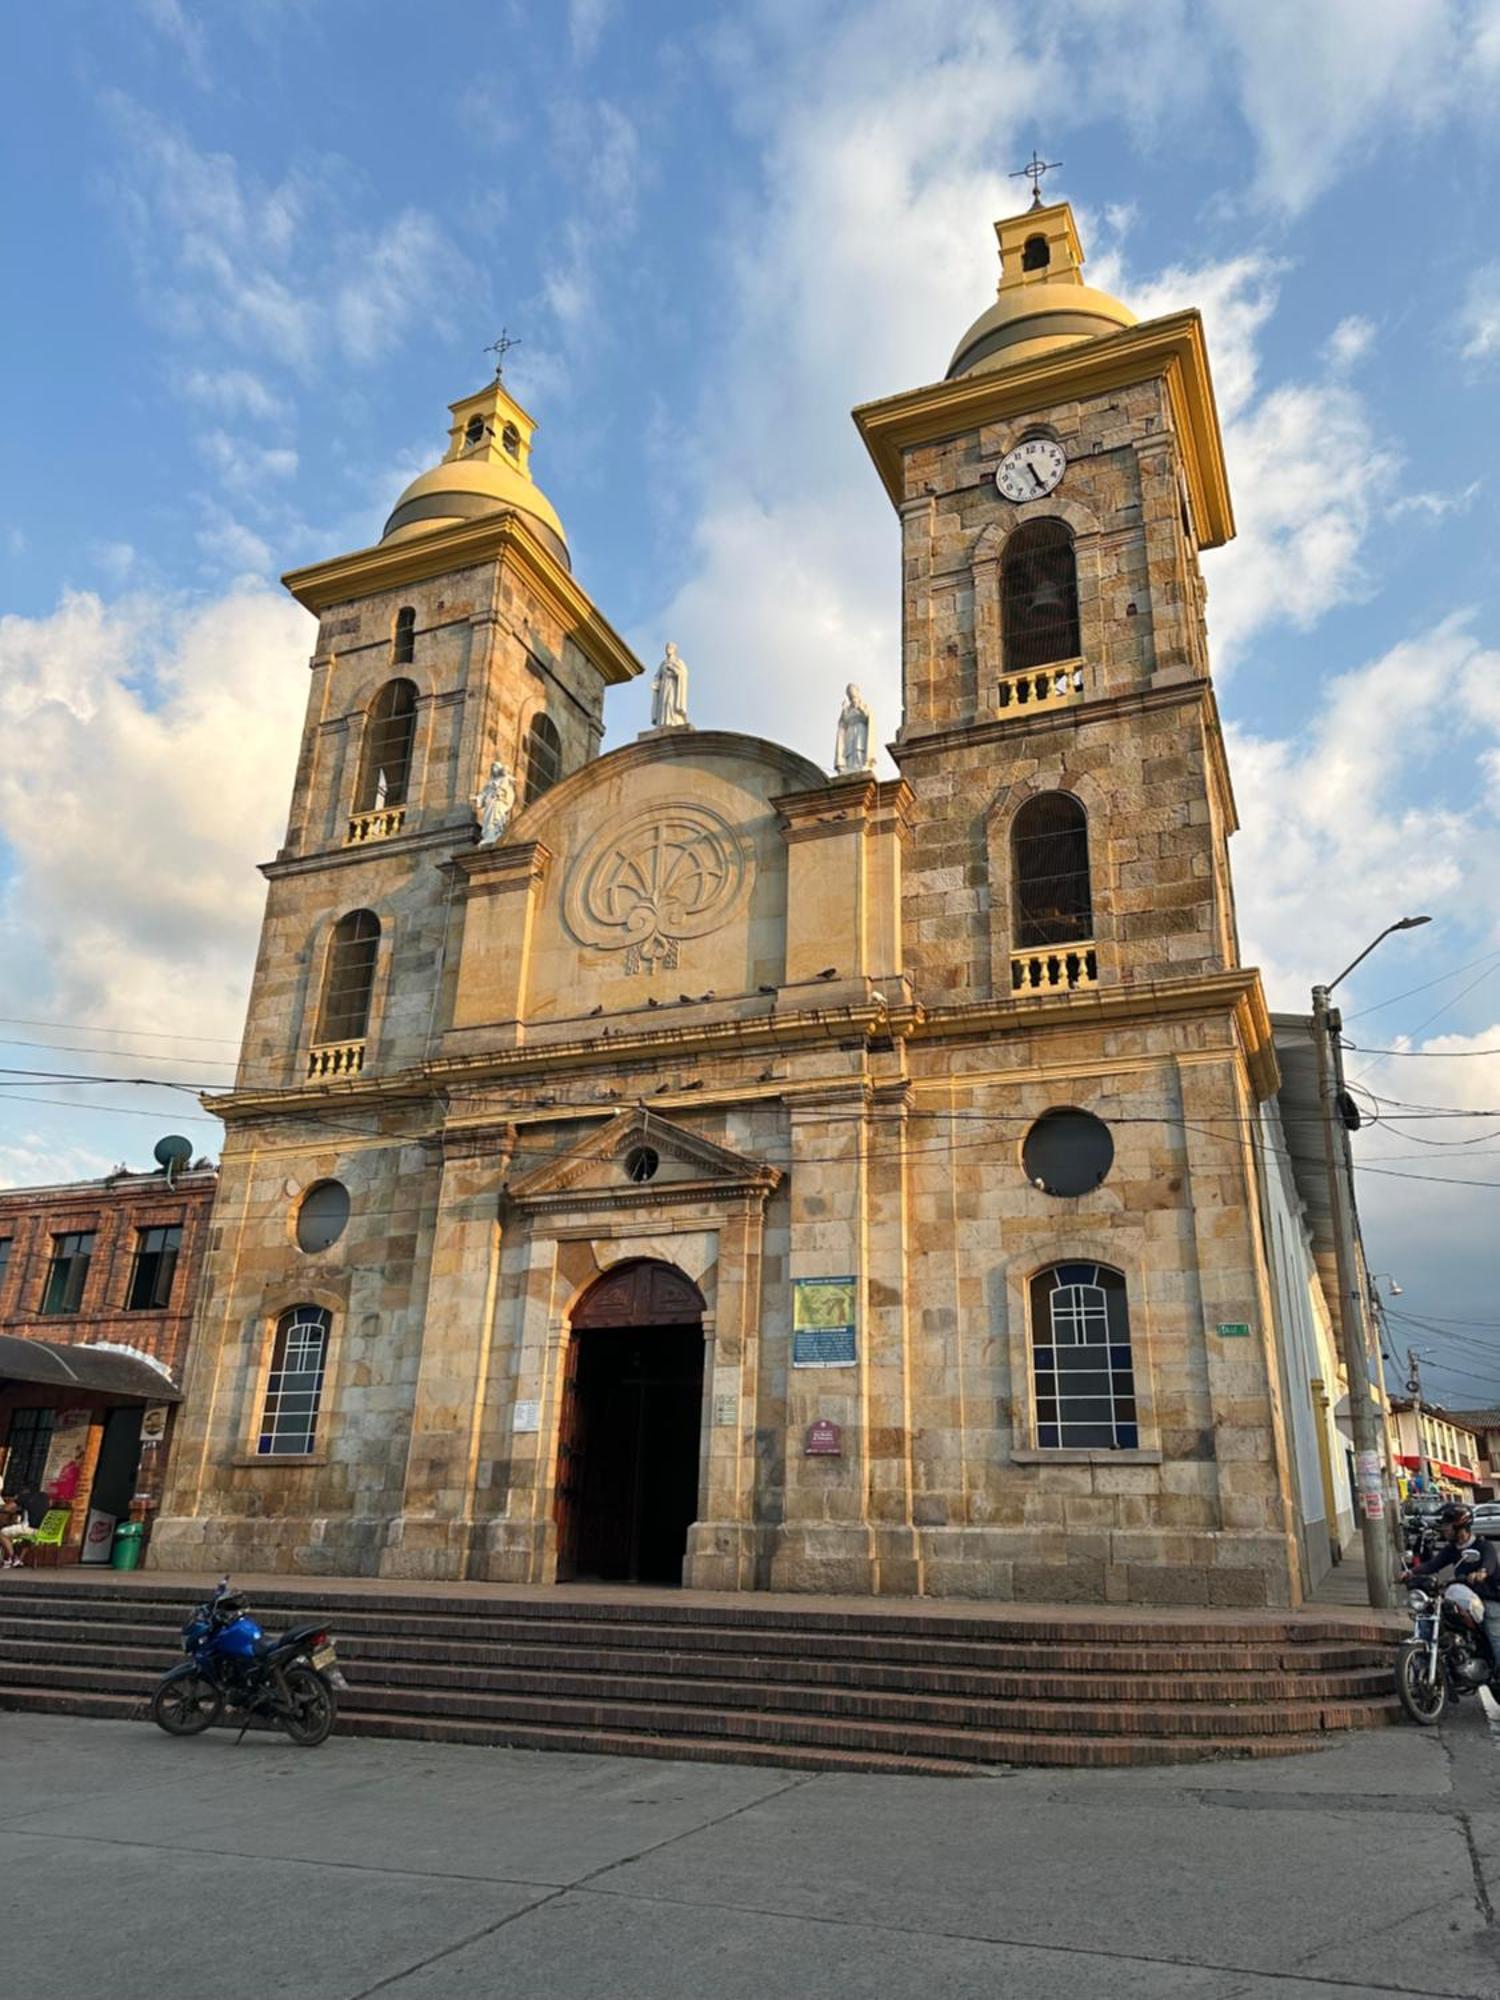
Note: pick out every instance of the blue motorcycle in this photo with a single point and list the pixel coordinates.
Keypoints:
(231, 1664)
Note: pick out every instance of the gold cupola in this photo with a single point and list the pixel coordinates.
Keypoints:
(485, 470)
(1042, 303)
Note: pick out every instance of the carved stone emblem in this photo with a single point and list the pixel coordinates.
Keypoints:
(670, 872)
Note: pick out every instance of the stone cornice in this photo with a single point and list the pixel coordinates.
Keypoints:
(1035, 721)
(1172, 348)
(496, 538)
(446, 836)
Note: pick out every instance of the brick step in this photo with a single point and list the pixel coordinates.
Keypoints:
(1079, 1753)
(859, 1722)
(735, 1682)
(1179, 1653)
(624, 1607)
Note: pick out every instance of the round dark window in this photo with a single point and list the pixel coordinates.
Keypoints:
(323, 1216)
(1067, 1152)
(641, 1163)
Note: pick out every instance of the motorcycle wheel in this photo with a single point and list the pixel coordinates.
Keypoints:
(186, 1707)
(1423, 1699)
(309, 1719)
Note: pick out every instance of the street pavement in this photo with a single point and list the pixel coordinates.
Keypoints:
(138, 1866)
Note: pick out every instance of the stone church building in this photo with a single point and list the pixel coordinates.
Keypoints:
(728, 1172)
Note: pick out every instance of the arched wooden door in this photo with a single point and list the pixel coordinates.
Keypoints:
(628, 1443)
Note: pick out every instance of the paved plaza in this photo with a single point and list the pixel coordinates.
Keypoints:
(136, 1865)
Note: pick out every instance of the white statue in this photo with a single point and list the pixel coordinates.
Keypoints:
(495, 804)
(669, 692)
(852, 749)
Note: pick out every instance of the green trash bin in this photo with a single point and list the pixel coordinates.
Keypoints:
(126, 1553)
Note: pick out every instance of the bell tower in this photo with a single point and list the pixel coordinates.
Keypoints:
(461, 638)
(1055, 490)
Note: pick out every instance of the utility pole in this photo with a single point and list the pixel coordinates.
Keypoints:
(1364, 1420)
(1414, 1390)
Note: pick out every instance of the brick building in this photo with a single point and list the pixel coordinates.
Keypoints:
(728, 1171)
(97, 1285)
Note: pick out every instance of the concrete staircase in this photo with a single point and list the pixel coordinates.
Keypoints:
(805, 1687)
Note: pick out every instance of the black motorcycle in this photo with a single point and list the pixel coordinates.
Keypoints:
(1445, 1655)
(289, 1682)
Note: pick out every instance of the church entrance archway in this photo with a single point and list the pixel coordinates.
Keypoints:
(630, 1436)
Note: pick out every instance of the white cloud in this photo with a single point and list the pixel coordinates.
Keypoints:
(1435, 505)
(234, 392)
(172, 21)
(230, 545)
(149, 755)
(242, 463)
(587, 20)
(1479, 320)
(35, 1158)
(1350, 341)
(279, 270)
(116, 559)
(1344, 825)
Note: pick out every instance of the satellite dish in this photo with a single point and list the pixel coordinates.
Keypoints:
(172, 1152)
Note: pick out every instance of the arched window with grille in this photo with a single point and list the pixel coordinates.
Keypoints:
(294, 1386)
(1083, 1368)
(1039, 596)
(1050, 871)
(390, 728)
(543, 756)
(349, 978)
(406, 636)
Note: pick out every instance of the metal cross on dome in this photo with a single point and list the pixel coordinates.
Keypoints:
(500, 348)
(1033, 170)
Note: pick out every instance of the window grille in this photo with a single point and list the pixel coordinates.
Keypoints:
(1050, 850)
(1083, 1369)
(294, 1387)
(1039, 596)
(406, 636)
(543, 756)
(155, 1267)
(390, 728)
(26, 1449)
(5, 1243)
(68, 1273)
(349, 979)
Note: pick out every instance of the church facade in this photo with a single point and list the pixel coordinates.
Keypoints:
(683, 1163)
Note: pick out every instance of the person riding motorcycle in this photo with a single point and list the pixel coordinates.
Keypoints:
(1475, 1563)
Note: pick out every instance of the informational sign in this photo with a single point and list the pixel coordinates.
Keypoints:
(726, 1409)
(823, 1322)
(528, 1417)
(154, 1423)
(824, 1440)
(1233, 1329)
(98, 1537)
(1374, 1505)
(1369, 1474)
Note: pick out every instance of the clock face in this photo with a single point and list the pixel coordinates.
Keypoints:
(1031, 470)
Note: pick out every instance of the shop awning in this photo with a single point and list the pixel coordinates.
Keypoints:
(68, 1366)
(1443, 1471)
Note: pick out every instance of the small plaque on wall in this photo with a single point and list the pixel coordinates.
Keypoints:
(528, 1417)
(726, 1409)
(823, 1322)
(1233, 1329)
(824, 1440)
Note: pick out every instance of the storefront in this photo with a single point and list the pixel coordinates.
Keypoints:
(92, 1426)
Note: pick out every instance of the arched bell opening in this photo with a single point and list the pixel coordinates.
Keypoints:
(630, 1436)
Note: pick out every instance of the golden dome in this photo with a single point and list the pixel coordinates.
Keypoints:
(486, 470)
(1042, 302)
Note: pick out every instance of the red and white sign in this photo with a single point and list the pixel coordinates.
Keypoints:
(824, 1440)
(98, 1537)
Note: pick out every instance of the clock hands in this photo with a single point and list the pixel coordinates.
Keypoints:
(1036, 477)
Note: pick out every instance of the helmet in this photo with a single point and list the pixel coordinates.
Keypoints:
(1455, 1511)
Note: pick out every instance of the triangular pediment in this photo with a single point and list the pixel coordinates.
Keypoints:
(639, 1158)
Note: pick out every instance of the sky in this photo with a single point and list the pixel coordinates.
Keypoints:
(252, 253)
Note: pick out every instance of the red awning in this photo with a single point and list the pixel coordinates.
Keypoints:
(1443, 1471)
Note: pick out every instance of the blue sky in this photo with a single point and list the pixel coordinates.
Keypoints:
(252, 253)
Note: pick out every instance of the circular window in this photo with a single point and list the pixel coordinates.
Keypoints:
(1067, 1152)
(641, 1163)
(323, 1216)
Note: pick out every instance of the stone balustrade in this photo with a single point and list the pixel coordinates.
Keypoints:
(377, 825)
(1043, 687)
(330, 1059)
(1059, 968)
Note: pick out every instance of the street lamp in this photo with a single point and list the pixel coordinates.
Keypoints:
(1364, 1422)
